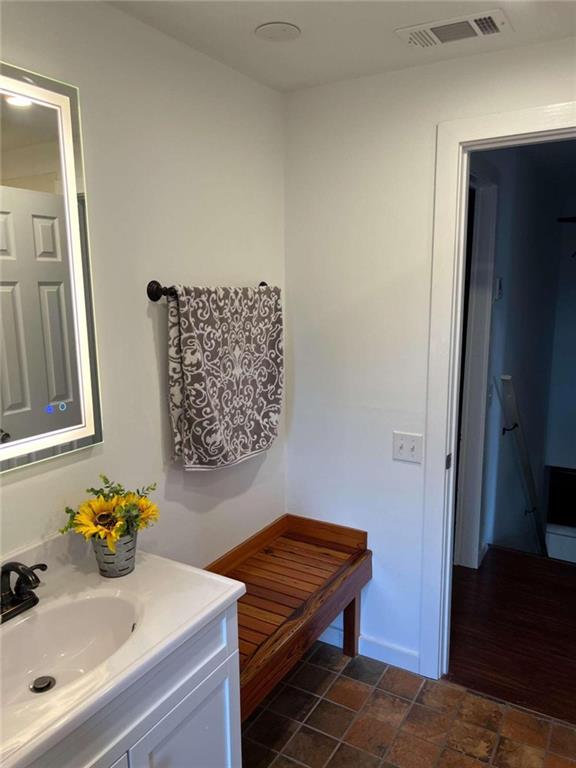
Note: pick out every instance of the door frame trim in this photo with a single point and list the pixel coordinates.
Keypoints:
(468, 548)
(455, 140)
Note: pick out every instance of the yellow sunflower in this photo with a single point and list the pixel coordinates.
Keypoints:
(148, 512)
(128, 498)
(96, 518)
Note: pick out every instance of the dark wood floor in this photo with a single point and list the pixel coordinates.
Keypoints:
(514, 631)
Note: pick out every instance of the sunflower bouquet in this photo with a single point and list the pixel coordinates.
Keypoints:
(113, 514)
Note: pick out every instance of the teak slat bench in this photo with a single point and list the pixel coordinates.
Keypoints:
(299, 575)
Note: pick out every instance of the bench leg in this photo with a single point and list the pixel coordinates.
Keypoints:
(352, 627)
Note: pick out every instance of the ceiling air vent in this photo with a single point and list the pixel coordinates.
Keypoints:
(463, 28)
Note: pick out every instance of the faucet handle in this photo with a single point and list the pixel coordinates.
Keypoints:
(28, 580)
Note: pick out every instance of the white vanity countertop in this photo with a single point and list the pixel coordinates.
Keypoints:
(168, 602)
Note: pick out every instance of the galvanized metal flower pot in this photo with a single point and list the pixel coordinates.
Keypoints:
(119, 563)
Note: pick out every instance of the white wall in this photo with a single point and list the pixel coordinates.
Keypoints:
(527, 257)
(561, 448)
(360, 181)
(184, 168)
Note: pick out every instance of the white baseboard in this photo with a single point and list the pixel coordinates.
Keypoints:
(396, 655)
(333, 635)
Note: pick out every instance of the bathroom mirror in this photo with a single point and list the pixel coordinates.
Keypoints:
(49, 399)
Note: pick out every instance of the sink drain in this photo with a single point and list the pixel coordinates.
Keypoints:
(43, 684)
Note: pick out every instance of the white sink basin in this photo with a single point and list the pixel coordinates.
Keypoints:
(95, 636)
(63, 640)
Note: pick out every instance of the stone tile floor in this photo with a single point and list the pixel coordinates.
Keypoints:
(336, 712)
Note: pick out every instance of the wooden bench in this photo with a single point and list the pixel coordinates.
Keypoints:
(299, 575)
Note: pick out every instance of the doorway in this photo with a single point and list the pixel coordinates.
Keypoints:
(456, 139)
(513, 622)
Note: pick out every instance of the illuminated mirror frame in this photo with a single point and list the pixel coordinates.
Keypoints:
(64, 99)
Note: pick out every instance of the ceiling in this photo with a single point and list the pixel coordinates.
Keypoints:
(24, 126)
(339, 39)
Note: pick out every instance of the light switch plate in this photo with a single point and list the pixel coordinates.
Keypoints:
(408, 446)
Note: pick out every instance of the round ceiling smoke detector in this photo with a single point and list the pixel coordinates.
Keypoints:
(278, 31)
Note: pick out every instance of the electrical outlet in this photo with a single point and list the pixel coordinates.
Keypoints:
(407, 446)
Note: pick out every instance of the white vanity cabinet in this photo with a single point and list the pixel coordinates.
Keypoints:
(197, 732)
(146, 668)
(182, 713)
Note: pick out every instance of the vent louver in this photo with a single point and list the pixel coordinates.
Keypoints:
(453, 30)
(487, 25)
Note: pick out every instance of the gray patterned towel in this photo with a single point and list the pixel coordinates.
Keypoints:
(225, 373)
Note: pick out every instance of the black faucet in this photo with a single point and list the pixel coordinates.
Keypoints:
(22, 597)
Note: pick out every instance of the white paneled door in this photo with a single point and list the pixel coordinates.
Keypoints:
(38, 375)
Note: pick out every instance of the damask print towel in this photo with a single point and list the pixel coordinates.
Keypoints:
(225, 373)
